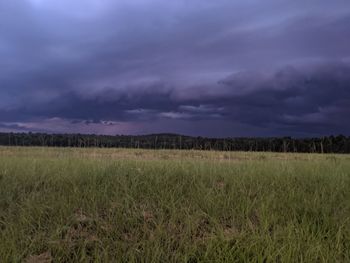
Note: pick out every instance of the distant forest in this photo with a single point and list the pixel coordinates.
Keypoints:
(330, 144)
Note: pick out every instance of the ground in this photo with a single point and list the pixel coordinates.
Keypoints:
(123, 205)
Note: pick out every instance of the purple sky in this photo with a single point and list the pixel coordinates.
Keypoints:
(209, 68)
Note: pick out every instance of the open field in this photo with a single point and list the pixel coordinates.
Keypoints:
(114, 205)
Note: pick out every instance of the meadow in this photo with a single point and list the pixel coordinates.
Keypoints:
(130, 205)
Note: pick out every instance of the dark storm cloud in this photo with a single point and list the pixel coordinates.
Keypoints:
(187, 63)
(303, 100)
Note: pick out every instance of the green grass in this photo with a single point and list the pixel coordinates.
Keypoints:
(113, 205)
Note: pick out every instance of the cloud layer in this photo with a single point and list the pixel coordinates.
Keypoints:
(222, 68)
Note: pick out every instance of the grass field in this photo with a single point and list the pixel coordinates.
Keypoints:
(114, 205)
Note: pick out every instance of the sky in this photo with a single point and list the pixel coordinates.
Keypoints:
(223, 68)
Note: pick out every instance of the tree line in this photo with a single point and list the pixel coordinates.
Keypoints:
(328, 144)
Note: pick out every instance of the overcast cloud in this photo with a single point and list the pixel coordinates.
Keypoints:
(213, 68)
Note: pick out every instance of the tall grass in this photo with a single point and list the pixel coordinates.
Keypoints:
(95, 205)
